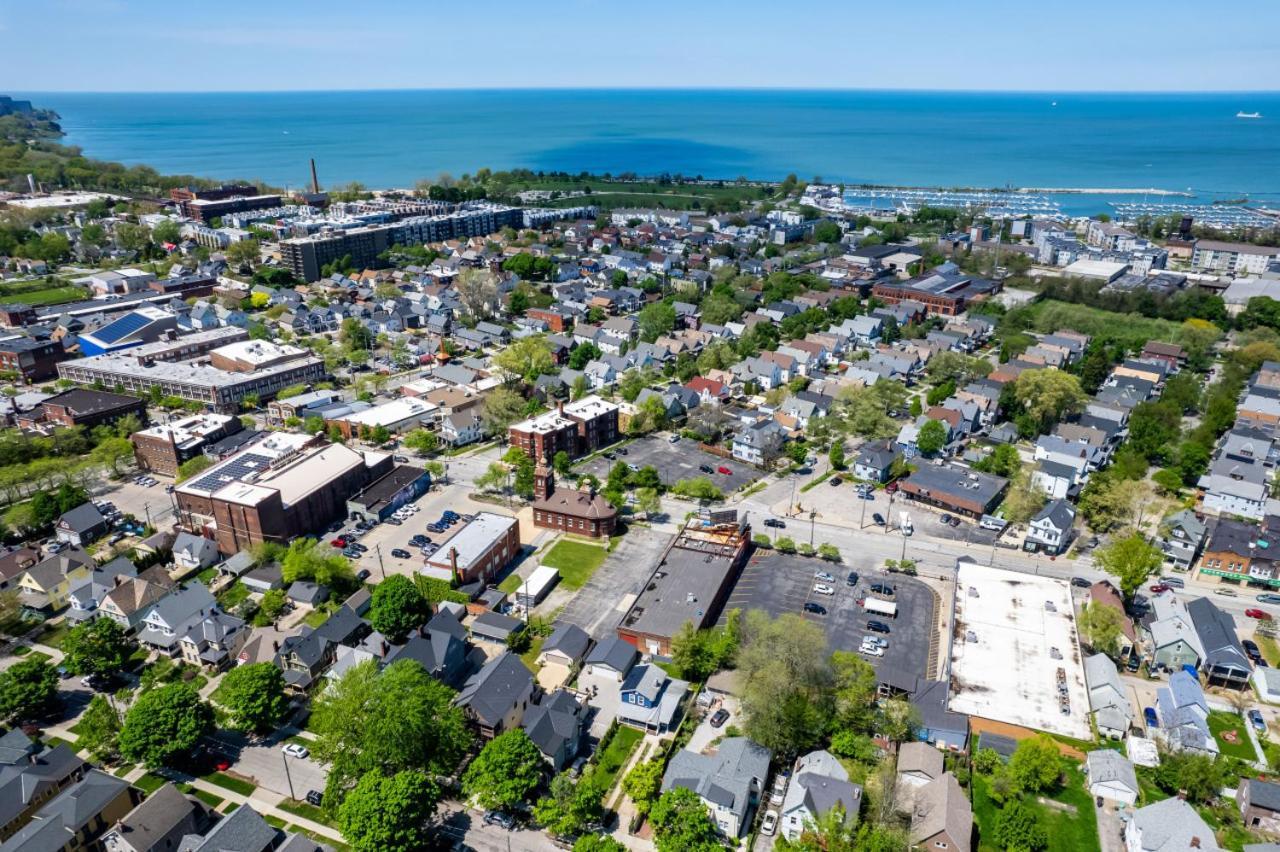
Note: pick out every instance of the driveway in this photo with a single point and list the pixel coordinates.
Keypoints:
(704, 735)
(264, 763)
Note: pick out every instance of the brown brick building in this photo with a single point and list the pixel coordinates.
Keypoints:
(570, 510)
(163, 447)
(31, 360)
(84, 407)
(577, 428)
(478, 551)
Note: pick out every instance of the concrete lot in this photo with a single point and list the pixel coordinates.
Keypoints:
(140, 501)
(704, 735)
(674, 462)
(602, 602)
(840, 503)
(263, 761)
(778, 583)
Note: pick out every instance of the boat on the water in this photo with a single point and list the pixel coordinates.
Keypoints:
(1248, 115)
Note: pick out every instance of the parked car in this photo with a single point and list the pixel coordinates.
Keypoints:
(824, 589)
(400, 553)
(1268, 598)
(834, 481)
(872, 650)
(1260, 614)
(1081, 583)
(775, 523)
(852, 579)
(877, 627)
(882, 589)
(719, 717)
(1251, 649)
(221, 764)
(315, 798)
(362, 574)
(724, 471)
(295, 750)
(706, 468)
(877, 519)
(340, 541)
(815, 608)
(946, 519)
(769, 824)
(505, 820)
(824, 577)
(1174, 582)
(1226, 593)
(1160, 587)
(875, 640)
(674, 439)
(1149, 714)
(1255, 719)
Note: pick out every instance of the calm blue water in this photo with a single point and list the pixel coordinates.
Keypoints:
(391, 138)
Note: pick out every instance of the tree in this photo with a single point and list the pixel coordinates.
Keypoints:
(898, 720)
(243, 253)
(526, 358)
(1198, 775)
(389, 814)
(681, 823)
(307, 560)
(28, 691)
(478, 290)
(505, 772)
(570, 806)
(355, 335)
(99, 729)
(1154, 428)
(493, 478)
(644, 784)
(394, 720)
(1101, 626)
(253, 697)
(562, 463)
(788, 693)
(655, 320)
(647, 501)
(1131, 559)
(1018, 830)
(836, 456)
(192, 466)
(1107, 501)
(698, 488)
(397, 608)
(502, 407)
(98, 647)
(956, 367)
(1023, 499)
(422, 441)
(855, 690)
(1048, 395)
(270, 607)
(692, 651)
(583, 354)
(112, 453)
(1036, 764)
(597, 843)
(1002, 461)
(932, 437)
(165, 724)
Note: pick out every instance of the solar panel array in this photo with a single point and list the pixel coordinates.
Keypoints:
(234, 470)
(123, 327)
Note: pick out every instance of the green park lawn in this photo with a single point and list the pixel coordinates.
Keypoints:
(1067, 817)
(1220, 722)
(575, 560)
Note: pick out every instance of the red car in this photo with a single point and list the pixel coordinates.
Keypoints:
(222, 764)
(1160, 587)
(724, 470)
(339, 542)
(1258, 613)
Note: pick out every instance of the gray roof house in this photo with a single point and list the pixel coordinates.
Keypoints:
(1184, 715)
(1050, 530)
(819, 784)
(728, 782)
(649, 698)
(80, 525)
(169, 619)
(497, 697)
(1171, 825)
(1111, 775)
(158, 824)
(874, 461)
(555, 726)
(440, 647)
(1181, 537)
(611, 658)
(76, 817)
(29, 776)
(194, 552)
(1107, 697)
(567, 645)
(941, 816)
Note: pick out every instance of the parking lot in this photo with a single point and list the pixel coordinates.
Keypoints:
(779, 583)
(264, 762)
(674, 462)
(842, 501)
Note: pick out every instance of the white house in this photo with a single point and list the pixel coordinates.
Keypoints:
(818, 785)
(193, 552)
(1111, 776)
(727, 782)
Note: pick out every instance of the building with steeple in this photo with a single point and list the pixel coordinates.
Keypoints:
(584, 512)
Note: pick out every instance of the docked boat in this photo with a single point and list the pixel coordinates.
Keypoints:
(1248, 115)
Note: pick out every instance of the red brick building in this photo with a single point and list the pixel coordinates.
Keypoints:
(84, 407)
(577, 428)
(570, 510)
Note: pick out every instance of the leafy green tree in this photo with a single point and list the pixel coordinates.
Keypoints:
(355, 335)
(1131, 559)
(97, 647)
(692, 650)
(397, 608)
(698, 488)
(1017, 829)
(113, 453)
(569, 806)
(505, 772)
(307, 560)
(1048, 395)
(956, 368)
(836, 456)
(1023, 499)
(99, 729)
(644, 784)
(932, 437)
(788, 694)
(562, 463)
(855, 690)
(253, 696)
(1101, 627)
(28, 691)
(1199, 776)
(597, 843)
(526, 358)
(1036, 764)
(422, 441)
(655, 320)
(681, 823)
(390, 721)
(389, 813)
(1002, 461)
(647, 501)
(502, 407)
(270, 607)
(193, 466)
(164, 724)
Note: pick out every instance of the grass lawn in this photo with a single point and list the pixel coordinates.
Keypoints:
(244, 788)
(207, 574)
(123, 770)
(1219, 723)
(54, 635)
(149, 783)
(1269, 648)
(1068, 832)
(52, 296)
(615, 756)
(57, 741)
(575, 561)
(316, 617)
(208, 798)
(306, 811)
(816, 482)
(511, 583)
(21, 651)
(530, 656)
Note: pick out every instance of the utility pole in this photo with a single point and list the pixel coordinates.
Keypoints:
(288, 777)
(377, 548)
(812, 514)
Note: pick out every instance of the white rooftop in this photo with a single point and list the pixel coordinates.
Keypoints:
(1104, 269)
(258, 352)
(1003, 667)
(392, 413)
(187, 429)
(474, 539)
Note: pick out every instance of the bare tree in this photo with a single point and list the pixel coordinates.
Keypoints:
(478, 290)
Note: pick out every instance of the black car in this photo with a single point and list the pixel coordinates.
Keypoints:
(315, 797)
(835, 480)
(362, 574)
(946, 519)
(622, 451)
(706, 468)
(877, 627)
(1080, 582)
(1251, 649)
(877, 519)
(609, 455)
(774, 522)
(816, 609)
(719, 717)
(398, 553)
(852, 579)
(395, 522)
(882, 588)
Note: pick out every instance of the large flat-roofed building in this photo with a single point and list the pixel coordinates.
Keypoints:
(398, 415)
(205, 209)
(1235, 258)
(163, 447)
(690, 583)
(953, 489)
(221, 380)
(577, 428)
(942, 292)
(276, 489)
(478, 552)
(403, 484)
(305, 256)
(144, 325)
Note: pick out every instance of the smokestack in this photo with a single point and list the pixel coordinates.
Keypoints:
(31, 182)
(453, 563)
(315, 181)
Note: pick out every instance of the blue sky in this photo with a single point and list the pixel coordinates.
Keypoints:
(228, 45)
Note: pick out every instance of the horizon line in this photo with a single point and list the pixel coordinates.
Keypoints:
(651, 88)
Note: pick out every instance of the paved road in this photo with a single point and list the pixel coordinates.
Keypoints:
(264, 762)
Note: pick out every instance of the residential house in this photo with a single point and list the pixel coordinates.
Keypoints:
(1259, 803)
(78, 816)
(86, 596)
(819, 785)
(566, 647)
(1050, 530)
(610, 660)
(1170, 825)
(214, 642)
(1105, 594)
(729, 782)
(1111, 776)
(918, 764)
(555, 725)
(1182, 534)
(131, 598)
(496, 697)
(649, 698)
(160, 823)
(1184, 715)
(30, 775)
(305, 655)
(46, 586)
(171, 617)
(440, 647)
(1234, 486)
(1108, 701)
(941, 816)
(193, 552)
(874, 461)
(81, 525)
(759, 443)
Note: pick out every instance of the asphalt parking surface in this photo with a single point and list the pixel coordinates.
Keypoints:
(778, 583)
(674, 462)
(602, 601)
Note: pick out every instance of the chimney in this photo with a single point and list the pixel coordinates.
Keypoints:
(453, 563)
